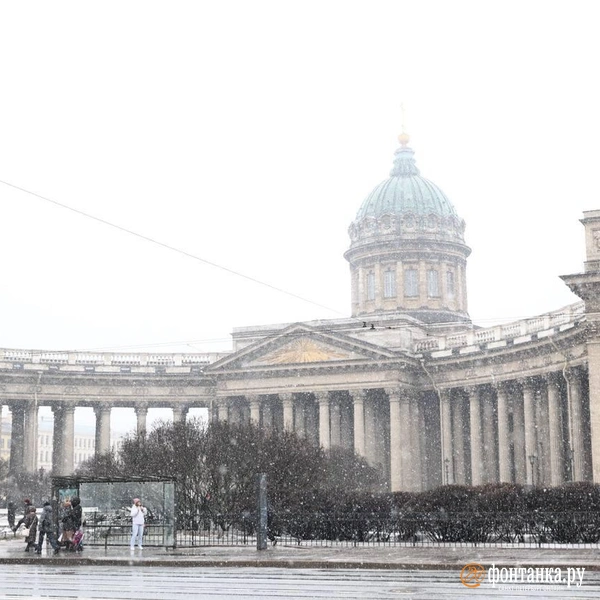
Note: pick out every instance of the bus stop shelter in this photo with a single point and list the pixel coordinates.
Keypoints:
(106, 504)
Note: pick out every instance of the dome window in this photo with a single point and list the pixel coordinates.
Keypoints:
(371, 286)
(411, 283)
(433, 284)
(450, 285)
(389, 284)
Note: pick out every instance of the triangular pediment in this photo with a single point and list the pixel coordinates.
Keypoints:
(304, 350)
(301, 345)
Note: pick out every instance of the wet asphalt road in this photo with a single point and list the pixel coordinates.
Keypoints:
(158, 583)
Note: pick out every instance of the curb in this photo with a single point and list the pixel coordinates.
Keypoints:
(270, 564)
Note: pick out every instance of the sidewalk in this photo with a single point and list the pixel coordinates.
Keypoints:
(400, 557)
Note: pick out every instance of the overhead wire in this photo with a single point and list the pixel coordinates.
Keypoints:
(498, 321)
(170, 247)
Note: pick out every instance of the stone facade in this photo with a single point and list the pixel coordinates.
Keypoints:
(407, 381)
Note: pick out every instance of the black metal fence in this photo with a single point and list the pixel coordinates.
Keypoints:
(415, 529)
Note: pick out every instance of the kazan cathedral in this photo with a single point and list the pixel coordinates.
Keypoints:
(407, 381)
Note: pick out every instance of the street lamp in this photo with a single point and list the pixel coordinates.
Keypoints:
(532, 462)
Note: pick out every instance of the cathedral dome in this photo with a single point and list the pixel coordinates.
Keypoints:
(406, 192)
(406, 205)
(407, 250)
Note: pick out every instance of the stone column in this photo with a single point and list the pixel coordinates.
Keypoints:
(324, 421)
(530, 431)
(287, 400)
(222, 409)
(576, 425)
(416, 433)
(476, 436)
(267, 414)
(396, 475)
(336, 419)
(446, 437)
(179, 413)
(543, 435)
(30, 437)
(347, 425)
(254, 409)
(102, 428)
(67, 439)
(57, 440)
(503, 435)
(458, 436)
(17, 438)
(520, 457)
(557, 461)
(371, 431)
(300, 416)
(490, 448)
(593, 355)
(358, 398)
(141, 413)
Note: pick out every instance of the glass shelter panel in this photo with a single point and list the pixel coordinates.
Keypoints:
(107, 510)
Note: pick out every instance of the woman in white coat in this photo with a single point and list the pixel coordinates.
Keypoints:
(138, 518)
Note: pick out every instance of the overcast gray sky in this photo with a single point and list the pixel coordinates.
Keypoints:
(249, 133)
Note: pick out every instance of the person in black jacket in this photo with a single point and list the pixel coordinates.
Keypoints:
(47, 528)
(68, 525)
(30, 523)
(77, 512)
(11, 513)
(27, 505)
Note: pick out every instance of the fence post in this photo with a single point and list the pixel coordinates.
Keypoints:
(261, 525)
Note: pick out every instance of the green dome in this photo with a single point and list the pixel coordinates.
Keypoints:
(406, 192)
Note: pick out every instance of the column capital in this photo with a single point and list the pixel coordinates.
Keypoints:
(287, 397)
(552, 379)
(141, 407)
(101, 406)
(358, 395)
(473, 391)
(321, 397)
(68, 405)
(527, 383)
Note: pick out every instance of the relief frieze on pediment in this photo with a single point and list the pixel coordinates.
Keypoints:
(302, 350)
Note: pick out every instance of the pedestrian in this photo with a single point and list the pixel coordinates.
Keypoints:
(68, 525)
(11, 513)
(138, 517)
(26, 506)
(47, 528)
(30, 523)
(77, 512)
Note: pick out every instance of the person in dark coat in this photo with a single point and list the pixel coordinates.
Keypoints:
(77, 512)
(27, 505)
(68, 525)
(11, 513)
(47, 528)
(30, 522)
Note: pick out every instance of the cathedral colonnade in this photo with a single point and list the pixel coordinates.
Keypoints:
(23, 438)
(530, 431)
